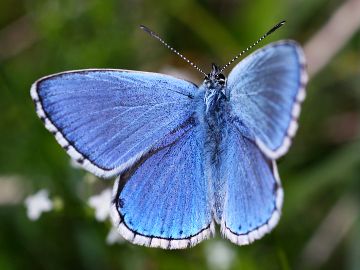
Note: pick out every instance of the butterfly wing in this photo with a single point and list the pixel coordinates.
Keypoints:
(253, 191)
(108, 119)
(163, 200)
(265, 91)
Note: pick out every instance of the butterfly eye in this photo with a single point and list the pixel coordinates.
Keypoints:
(221, 79)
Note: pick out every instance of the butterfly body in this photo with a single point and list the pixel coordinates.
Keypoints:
(185, 157)
(215, 106)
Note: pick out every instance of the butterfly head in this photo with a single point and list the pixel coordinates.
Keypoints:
(215, 79)
(214, 84)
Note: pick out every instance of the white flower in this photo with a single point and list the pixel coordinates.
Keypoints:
(114, 237)
(101, 203)
(38, 203)
(219, 255)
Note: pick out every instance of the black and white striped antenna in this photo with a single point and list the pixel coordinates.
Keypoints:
(155, 35)
(254, 44)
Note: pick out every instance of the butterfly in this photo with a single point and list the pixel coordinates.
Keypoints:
(185, 156)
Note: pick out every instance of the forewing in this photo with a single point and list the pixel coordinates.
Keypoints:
(108, 119)
(265, 91)
(253, 191)
(163, 201)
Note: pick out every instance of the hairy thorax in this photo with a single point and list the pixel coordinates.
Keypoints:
(214, 118)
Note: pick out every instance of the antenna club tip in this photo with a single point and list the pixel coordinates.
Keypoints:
(275, 28)
(146, 29)
(279, 24)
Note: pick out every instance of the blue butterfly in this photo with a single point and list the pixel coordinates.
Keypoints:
(185, 157)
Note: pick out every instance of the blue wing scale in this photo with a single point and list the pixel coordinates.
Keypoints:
(108, 119)
(266, 90)
(254, 194)
(164, 200)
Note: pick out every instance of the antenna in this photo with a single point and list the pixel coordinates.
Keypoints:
(155, 35)
(254, 44)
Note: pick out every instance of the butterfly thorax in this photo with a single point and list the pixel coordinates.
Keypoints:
(215, 101)
(215, 118)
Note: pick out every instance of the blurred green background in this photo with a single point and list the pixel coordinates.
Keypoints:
(320, 224)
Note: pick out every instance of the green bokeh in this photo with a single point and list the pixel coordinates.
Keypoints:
(40, 37)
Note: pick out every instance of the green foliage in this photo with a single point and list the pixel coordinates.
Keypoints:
(40, 37)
